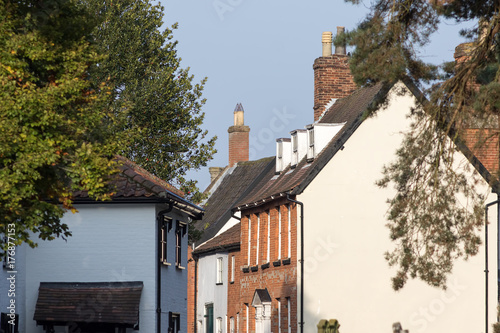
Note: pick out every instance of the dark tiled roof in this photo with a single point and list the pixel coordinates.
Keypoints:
(349, 110)
(233, 188)
(226, 240)
(133, 181)
(118, 302)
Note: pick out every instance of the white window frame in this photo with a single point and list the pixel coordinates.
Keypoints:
(231, 325)
(268, 254)
(279, 315)
(218, 325)
(310, 137)
(220, 270)
(258, 241)
(237, 322)
(247, 314)
(289, 315)
(249, 239)
(279, 233)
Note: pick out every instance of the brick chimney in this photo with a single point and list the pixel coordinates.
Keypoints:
(238, 137)
(332, 76)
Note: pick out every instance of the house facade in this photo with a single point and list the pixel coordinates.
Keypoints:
(122, 270)
(312, 229)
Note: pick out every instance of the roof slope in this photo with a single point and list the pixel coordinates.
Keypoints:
(233, 188)
(349, 110)
(227, 240)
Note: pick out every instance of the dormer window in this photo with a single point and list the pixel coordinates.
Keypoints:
(283, 154)
(295, 150)
(310, 144)
(299, 149)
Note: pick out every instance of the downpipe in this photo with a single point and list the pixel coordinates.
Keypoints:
(159, 220)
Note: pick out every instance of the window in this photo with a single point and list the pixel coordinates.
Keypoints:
(237, 322)
(289, 310)
(268, 255)
(231, 325)
(220, 269)
(258, 240)
(179, 234)
(174, 322)
(295, 149)
(218, 325)
(233, 263)
(249, 238)
(279, 315)
(289, 231)
(166, 225)
(310, 150)
(6, 321)
(247, 314)
(279, 232)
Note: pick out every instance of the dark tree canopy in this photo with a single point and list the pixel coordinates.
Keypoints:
(437, 213)
(163, 104)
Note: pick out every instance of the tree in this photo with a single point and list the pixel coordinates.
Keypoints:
(428, 221)
(56, 131)
(162, 104)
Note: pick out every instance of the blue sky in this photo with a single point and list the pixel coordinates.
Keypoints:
(260, 53)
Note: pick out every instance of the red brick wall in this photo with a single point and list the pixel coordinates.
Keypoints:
(484, 144)
(280, 281)
(233, 290)
(238, 144)
(190, 291)
(332, 79)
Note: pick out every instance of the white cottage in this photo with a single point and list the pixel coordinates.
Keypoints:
(122, 270)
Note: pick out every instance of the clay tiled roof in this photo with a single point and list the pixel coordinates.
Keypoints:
(229, 238)
(65, 302)
(349, 110)
(233, 188)
(133, 181)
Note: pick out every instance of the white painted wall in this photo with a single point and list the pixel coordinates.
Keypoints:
(346, 275)
(210, 292)
(110, 243)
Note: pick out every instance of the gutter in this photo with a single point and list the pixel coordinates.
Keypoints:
(301, 323)
(159, 219)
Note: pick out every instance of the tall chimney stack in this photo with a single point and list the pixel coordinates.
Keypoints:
(332, 76)
(238, 137)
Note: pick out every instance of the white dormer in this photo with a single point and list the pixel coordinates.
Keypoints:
(283, 153)
(299, 145)
(318, 136)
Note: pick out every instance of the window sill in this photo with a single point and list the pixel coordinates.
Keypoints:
(180, 267)
(254, 268)
(264, 266)
(277, 263)
(287, 261)
(218, 284)
(245, 269)
(166, 263)
(232, 282)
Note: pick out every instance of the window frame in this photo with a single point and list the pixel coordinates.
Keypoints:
(180, 232)
(166, 225)
(220, 270)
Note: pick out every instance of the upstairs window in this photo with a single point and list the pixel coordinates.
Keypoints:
(166, 225)
(268, 254)
(295, 149)
(310, 146)
(220, 270)
(180, 232)
(174, 322)
(233, 264)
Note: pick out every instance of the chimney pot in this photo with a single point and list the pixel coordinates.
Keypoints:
(340, 49)
(238, 138)
(327, 43)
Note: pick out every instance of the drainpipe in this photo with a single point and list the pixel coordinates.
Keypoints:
(159, 219)
(301, 260)
(486, 260)
(195, 323)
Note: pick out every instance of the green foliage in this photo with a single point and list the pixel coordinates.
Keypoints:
(436, 215)
(56, 134)
(163, 104)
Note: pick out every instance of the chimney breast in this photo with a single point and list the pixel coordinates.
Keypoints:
(332, 79)
(238, 137)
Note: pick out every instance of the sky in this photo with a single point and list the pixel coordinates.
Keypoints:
(260, 53)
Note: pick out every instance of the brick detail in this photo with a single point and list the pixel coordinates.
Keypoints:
(484, 145)
(332, 79)
(280, 281)
(238, 144)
